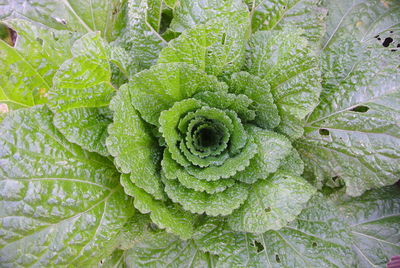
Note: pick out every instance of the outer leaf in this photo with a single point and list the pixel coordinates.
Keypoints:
(81, 93)
(28, 67)
(161, 249)
(361, 20)
(74, 15)
(272, 203)
(296, 90)
(157, 89)
(188, 14)
(272, 149)
(217, 47)
(354, 133)
(115, 260)
(221, 203)
(59, 204)
(166, 215)
(374, 220)
(317, 238)
(277, 14)
(140, 38)
(130, 142)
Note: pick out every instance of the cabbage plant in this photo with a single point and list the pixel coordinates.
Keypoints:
(212, 133)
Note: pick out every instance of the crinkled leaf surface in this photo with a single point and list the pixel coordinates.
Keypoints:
(140, 38)
(130, 142)
(158, 88)
(60, 205)
(216, 47)
(82, 92)
(74, 15)
(28, 67)
(188, 14)
(374, 220)
(272, 203)
(277, 14)
(354, 133)
(165, 214)
(296, 91)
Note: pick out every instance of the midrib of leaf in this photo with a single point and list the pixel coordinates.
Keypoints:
(66, 219)
(309, 124)
(91, 13)
(284, 13)
(366, 258)
(61, 179)
(265, 250)
(7, 99)
(67, 3)
(291, 246)
(375, 238)
(338, 26)
(375, 220)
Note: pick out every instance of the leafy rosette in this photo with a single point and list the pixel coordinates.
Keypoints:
(205, 147)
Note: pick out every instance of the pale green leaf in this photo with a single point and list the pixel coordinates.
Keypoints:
(59, 204)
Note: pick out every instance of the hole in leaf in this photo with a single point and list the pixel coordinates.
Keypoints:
(323, 132)
(268, 209)
(314, 244)
(278, 260)
(335, 178)
(376, 36)
(40, 41)
(398, 45)
(360, 109)
(387, 41)
(259, 246)
(223, 38)
(8, 34)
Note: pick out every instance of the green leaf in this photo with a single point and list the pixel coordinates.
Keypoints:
(161, 249)
(272, 149)
(115, 260)
(363, 21)
(258, 91)
(278, 14)
(217, 47)
(157, 89)
(81, 93)
(272, 203)
(166, 215)
(317, 238)
(293, 163)
(134, 230)
(172, 171)
(296, 91)
(59, 203)
(130, 142)
(221, 203)
(374, 220)
(354, 133)
(139, 38)
(188, 14)
(73, 15)
(28, 67)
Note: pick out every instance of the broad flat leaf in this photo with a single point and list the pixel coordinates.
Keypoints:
(157, 89)
(362, 20)
(74, 15)
(277, 14)
(161, 249)
(27, 69)
(317, 238)
(272, 203)
(81, 94)
(134, 230)
(374, 220)
(188, 14)
(296, 91)
(354, 133)
(166, 215)
(60, 205)
(115, 260)
(139, 38)
(130, 142)
(217, 47)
